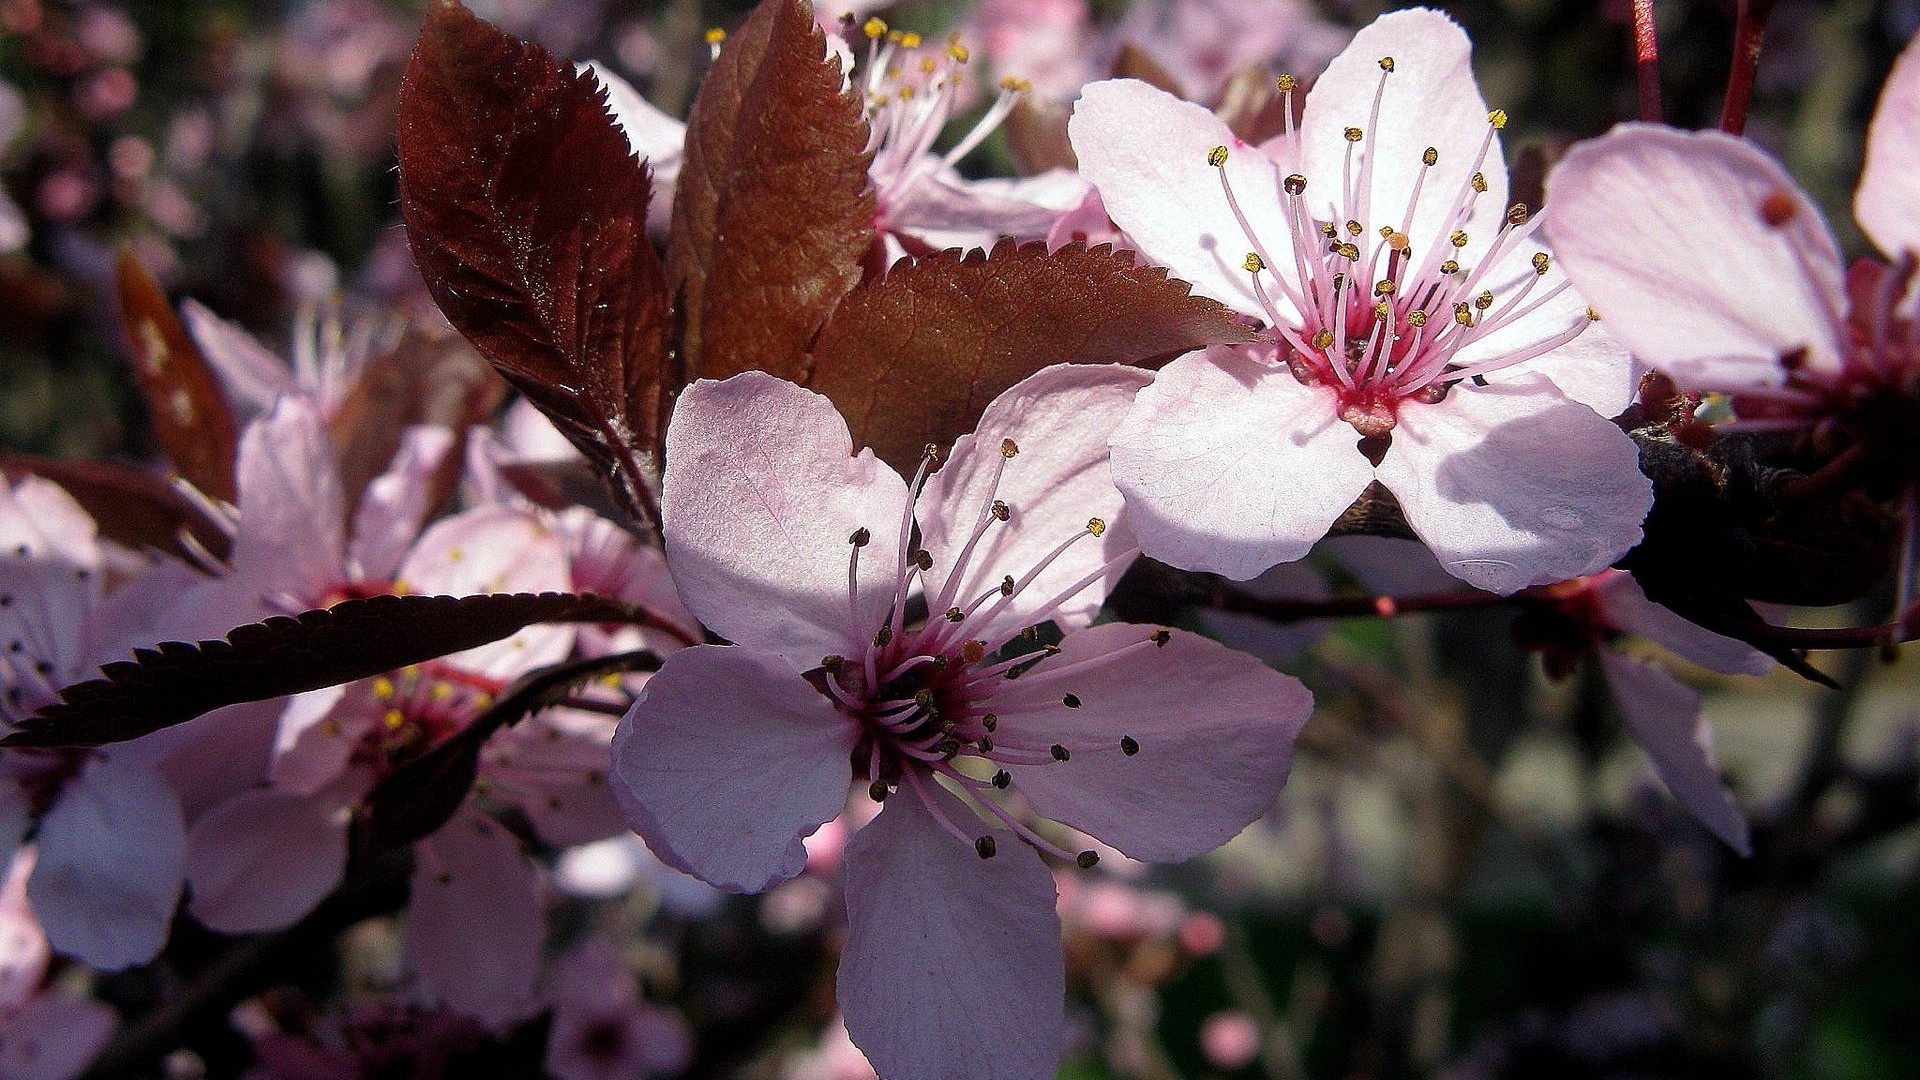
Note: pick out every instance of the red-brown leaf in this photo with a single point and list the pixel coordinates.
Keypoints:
(527, 215)
(131, 507)
(354, 639)
(190, 416)
(773, 213)
(914, 357)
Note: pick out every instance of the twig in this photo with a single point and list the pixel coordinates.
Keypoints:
(1646, 61)
(1749, 33)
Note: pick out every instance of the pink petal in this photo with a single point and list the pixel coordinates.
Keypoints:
(1274, 642)
(762, 491)
(1146, 152)
(1628, 608)
(1059, 419)
(1430, 100)
(553, 765)
(1888, 202)
(727, 759)
(1230, 465)
(317, 735)
(218, 756)
(1214, 730)
(495, 549)
(112, 852)
(952, 967)
(474, 920)
(1513, 485)
(1592, 369)
(292, 531)
(253, 377)
(395, 504)
(1663, 232)
(1665, 720)
(264, 860)
(54, 1038)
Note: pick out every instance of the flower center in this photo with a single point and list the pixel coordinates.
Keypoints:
(925, 692)
(1368, 309)
(420, 706)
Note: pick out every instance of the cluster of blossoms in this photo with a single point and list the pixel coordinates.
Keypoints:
(837, 641)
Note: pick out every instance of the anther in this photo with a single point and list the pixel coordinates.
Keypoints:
(1398, 241)
(1541, 262)
(1327, 230)
(1430, 156)
(1479, 182)
(922, 559)
(1463, 314)
(716, 35)
(1295, 184)
(1253, 264)
(959, 53)
(875, 28)
(1161, 637)
(877, 791)
(931, 452)
(985, 742)
(1060, 753)
(1449, 267)
(861, 537)
(1592, 315)
(990, 722)
(1018, 86)
(1096, 526)
(1347, 251)
(1008, 448)
(954, 614)
(1129, 745)
(923, 697)
(1006, 585)
(1458, 239)
(1484, 300)
(1323, 339)
(1354, 134)
(1382, 311)
(1003, 779)
(1498, 118)
(1386, 63)
(1217, 157)
(1354, 228)
(882, 637)
(1416, 317)
(1071, 701)
(910, 39)
(1284, 84)
(1001, 510)
(1086, 860)
(1383, 287)
(1517, 214)
(985, 846)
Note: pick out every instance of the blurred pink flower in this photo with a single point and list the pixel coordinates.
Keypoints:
(1161, 742)
(1417, 336)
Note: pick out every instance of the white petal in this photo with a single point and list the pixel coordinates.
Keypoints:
(1665, 720)
(112, 855)
(1888, 202)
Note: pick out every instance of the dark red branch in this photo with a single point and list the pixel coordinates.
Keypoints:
(1748, 35)
(1646, 61)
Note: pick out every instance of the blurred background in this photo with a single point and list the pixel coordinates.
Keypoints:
(1472, 873)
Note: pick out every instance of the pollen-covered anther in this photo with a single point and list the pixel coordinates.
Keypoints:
(923, 697)
(1386, 63)
(1017, 86)
(833, 663)
(1463, 314)
(1217, 157)
(1383, 311)
(882, 637)
(383, 688)
(1327, 230)
(1354, 134)
(1096, 526)
(1498, 118)
(1129, 745)
(1354, 228)
(1430, 156)
(1459, 238)
(1002, 779)
(1518, 213)
(910, 39)
(973, 652)
(1449, 267)
(985, 847)
(922, 559)
(1416, 317)
(1592, 315)
(1000, 510)
(1383, 287)
(875, 28)
(990, 722)
(1323, 339)
(715, 35)
(958, 52)
(1008, 448)
(1071, 701)
(1479, 182)
(1087, 860)
(1285, 84)
(954, 614)
(1541, 262)
(1295, 184)
(1348, 251)
(1060, 753)
(861, 537)
(1006, 585)
(1253, 263)
(1484, 300)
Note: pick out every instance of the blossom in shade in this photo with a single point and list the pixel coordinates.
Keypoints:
(1712, 265)
(1416, 333)
(1582, 620)
(814, 560)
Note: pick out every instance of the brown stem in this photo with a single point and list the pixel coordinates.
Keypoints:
(1297, 610)
(1646, 61)
(1749, 33)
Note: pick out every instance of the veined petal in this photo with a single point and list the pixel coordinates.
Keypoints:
(1513, 485)
(1146, 152)
(1592, 369)
(762, 492)
(952, 968)
(1888, 202)
(264, 860)
(1212, 731)
(474, 922)
(1430, 100)
(112, 851)
(1627, 608)
(1667, 235)
(726, 760)
(1664, 718)
(1059, 420)
(1230, 465)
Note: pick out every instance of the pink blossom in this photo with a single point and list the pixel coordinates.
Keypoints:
(1417, 335)
(44, 1034)
(807, 555)
(1745, 291)
(601, 1029)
